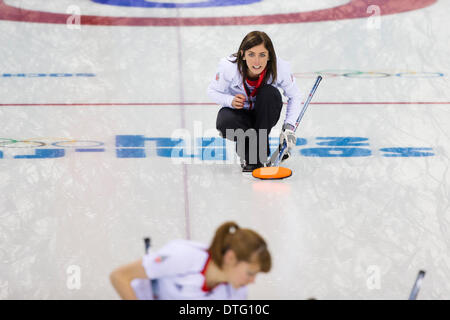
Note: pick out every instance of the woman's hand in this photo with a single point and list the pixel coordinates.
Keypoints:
(121, 279)
(238, 101)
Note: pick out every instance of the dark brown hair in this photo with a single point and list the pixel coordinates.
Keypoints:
(255, 38)
(245, 243)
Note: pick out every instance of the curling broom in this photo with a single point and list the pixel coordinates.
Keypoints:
(417, 285)
(273, 171)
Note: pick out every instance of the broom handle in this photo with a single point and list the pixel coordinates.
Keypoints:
(300, 116)
(306, 104)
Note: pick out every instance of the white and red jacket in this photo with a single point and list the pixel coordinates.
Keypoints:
(178, 270)
(228, 83)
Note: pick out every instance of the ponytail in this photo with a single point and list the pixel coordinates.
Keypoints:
(248, 246)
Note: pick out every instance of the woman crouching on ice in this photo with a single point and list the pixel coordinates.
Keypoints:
(184, 269)
(247, 86)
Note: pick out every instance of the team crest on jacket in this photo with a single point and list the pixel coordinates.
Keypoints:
(217, 76)
(160, 259)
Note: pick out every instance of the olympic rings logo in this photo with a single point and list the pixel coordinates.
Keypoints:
(43, 142)
(368, 74)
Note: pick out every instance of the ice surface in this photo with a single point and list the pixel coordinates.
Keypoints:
(87, 169)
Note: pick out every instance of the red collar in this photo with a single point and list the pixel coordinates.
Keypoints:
(205, 288)
(256, 83)
(252, 83)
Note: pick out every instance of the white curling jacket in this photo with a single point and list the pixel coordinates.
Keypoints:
(179, 268)
(228, 83)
